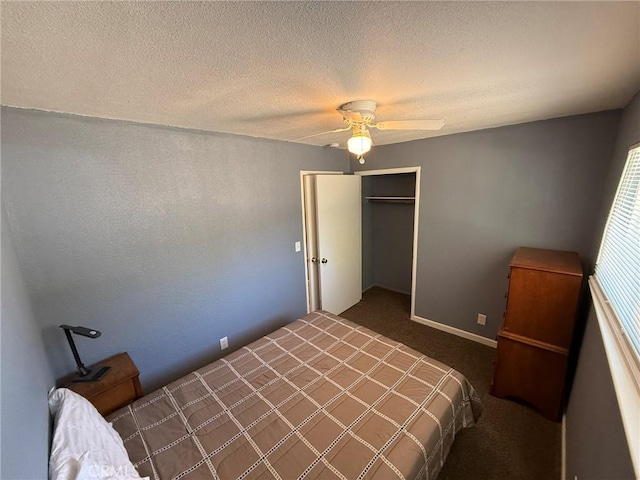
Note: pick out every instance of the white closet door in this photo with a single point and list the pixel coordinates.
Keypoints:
(339, 241)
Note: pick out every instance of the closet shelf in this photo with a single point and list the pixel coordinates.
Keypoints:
(391, 199)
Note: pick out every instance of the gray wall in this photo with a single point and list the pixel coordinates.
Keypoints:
(485, 193)
(26, 376)
(596, 446)
(596, 443)
(164, 239)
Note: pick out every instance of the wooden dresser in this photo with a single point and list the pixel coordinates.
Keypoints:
(536, 334)
(119, 387)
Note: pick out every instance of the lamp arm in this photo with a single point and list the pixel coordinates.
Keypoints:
(82, 371)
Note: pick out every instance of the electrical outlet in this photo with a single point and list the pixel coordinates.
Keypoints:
(224, 343)
(297, 245)
(482, 319)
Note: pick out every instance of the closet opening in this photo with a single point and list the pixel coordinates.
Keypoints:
(390, 212)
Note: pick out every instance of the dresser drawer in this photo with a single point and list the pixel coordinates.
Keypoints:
(530, 373)
(544, 291)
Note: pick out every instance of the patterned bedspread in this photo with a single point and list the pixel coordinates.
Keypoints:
(319, 398)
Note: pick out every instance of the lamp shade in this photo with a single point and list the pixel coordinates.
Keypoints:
(360, 143)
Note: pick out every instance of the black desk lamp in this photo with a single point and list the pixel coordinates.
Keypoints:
(84, 375)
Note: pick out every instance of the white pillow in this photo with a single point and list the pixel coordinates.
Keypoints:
(85, 446)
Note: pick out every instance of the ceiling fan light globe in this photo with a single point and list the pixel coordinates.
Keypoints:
(359, 144)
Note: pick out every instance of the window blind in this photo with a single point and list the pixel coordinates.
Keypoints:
(618, 265)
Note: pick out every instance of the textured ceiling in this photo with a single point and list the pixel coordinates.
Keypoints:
(279, 69)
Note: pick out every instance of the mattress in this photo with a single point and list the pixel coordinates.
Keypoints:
(321, 397)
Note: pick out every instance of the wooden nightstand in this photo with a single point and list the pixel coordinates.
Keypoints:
(119, 387)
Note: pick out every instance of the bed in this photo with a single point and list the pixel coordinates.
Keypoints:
(320, 398)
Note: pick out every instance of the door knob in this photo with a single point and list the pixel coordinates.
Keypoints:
(324, 260)
(314, 260)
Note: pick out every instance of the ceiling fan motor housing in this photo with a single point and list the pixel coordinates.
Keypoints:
(366, 108)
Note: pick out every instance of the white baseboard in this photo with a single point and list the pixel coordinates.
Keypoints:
(563, 474)
(456, 331)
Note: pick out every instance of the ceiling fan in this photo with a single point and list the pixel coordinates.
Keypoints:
(359, 116)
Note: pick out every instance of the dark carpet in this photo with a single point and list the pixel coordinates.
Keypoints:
(510, 441)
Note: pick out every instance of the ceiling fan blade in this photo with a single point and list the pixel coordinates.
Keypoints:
(323, 133)
(352, 116)
(410, 125)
